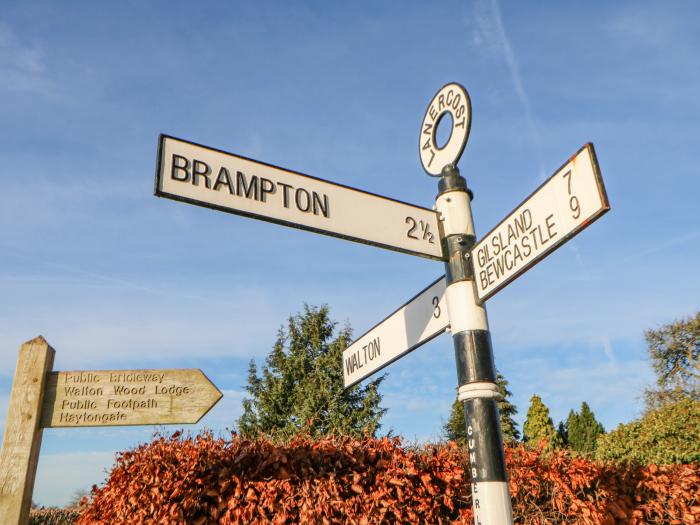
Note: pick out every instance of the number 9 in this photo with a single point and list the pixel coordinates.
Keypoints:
(575, 207)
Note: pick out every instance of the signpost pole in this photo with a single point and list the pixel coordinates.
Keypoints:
(22, 441)
(476, 373)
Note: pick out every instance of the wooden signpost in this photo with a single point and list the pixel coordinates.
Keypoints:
(42, 399)
(561, 207)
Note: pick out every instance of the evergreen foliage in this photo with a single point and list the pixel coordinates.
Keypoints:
(301, 384)
(563, 431)
(666, 435)
(583, 430)
(506, 411)
(539, 426)
(455, 429)
(674, 350)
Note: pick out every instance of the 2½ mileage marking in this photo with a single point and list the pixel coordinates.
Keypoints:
(419, 230)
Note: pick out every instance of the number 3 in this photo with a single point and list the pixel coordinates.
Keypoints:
(436, 304)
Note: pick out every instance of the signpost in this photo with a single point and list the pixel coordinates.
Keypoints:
(42, 399)
(223, 181)
(413, 324)
(564, 205)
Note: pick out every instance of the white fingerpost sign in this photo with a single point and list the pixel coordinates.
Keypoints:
(415, 323)
(566, 203)
(216, 179)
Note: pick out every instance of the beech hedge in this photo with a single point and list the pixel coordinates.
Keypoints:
(206, 480)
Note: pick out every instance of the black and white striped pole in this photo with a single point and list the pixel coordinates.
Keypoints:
(476, 373)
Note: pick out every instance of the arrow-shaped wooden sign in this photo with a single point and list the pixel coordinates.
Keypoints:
(42, 399)
(90, 398)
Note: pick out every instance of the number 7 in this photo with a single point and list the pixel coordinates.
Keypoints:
(567, 175)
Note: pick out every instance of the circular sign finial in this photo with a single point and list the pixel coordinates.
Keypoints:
(453, 99)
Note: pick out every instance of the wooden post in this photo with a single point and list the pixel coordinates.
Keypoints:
(22, 440)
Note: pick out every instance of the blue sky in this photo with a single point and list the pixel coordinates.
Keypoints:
(114, 277)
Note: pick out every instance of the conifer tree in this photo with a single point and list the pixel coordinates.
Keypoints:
(583, 430)
(301, 384)
(539, 426)
(506, 411)
(563, 431)
(455, 429)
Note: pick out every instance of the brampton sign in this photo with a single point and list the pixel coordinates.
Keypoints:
(216, 179)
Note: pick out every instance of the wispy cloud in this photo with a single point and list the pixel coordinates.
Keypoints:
(608, 349)
(64, 274)
(491, 31)
(664, 245)
(22, 65)
(14, 55)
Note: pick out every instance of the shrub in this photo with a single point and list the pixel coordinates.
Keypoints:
(53, 516)
(667, 435)
(553, 488)
(205, 480)
(202, 480)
